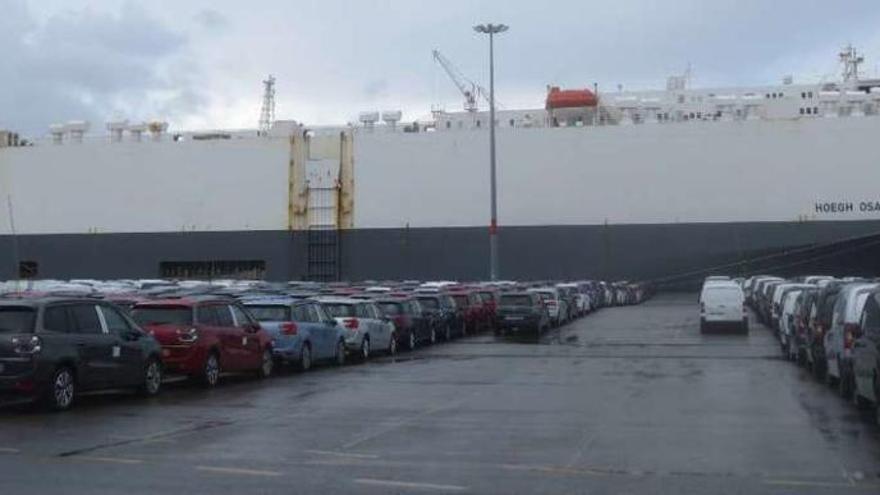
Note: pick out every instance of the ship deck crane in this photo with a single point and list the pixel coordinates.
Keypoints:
(469, 89)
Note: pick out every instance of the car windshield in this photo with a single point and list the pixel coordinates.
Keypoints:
(17, 319)
(339, 310)
(515, 300)
(162, 315)
(269, 312)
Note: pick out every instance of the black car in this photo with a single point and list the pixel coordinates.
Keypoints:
(866, 356)
(410, 326)
(440, 309)
(53, 348)
(819, 325)
(522, 312)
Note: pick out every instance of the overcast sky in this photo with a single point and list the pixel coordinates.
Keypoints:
(199, 63)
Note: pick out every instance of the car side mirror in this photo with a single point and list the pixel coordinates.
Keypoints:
(332, 323)
(252, 328)
(132, 335)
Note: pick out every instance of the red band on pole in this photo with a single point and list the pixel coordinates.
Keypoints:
(493, 228)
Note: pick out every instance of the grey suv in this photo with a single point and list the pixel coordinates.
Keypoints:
(53, 348)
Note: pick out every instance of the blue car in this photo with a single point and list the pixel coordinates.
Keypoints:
(302, 333)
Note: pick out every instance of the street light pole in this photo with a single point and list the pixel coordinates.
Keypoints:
(492, 30)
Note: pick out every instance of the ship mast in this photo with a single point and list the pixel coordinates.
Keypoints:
(851, 61)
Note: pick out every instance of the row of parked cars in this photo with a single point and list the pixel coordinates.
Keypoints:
(60, 338)
(829, 325)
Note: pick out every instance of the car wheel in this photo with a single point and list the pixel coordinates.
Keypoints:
(447, 333)
(63, 389)
(152, 378)
(305, 358)
(411, 342)
(211, 373)
(267, 364)
(365, 349)
(340, 353)
(392, 345)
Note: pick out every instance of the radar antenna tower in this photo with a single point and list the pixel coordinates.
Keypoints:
(851, 61)
(267, 112)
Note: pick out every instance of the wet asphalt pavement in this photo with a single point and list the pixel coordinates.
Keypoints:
(627, 400)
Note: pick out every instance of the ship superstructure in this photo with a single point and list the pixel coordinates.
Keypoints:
(630, 183)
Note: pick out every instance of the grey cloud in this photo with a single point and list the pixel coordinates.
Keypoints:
(376, 88)
(211, 19)
(88, 65)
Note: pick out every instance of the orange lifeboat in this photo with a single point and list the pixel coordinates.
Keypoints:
(570, 98)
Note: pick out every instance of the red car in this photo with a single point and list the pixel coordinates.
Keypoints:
(471, 303)
(202, 336)
(490, 297)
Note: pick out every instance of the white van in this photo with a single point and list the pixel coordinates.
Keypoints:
(723, 304)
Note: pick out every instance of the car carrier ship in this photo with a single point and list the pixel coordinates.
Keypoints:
(651, 185)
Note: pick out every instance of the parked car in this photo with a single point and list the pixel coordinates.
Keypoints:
(441, 309)
(580, 300)
(364, 326)
(54, 348)
(777, 293)
(820, 321)
(408, 330)
(839, 339)
(804, 305)
(489, 297)
(203, 336)
(302, 332)
(866, 356)
(557, 307)
(788, 296)
(473, 315)
(723, 303)
(522, 311)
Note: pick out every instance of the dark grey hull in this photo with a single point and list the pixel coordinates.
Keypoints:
(669, 252)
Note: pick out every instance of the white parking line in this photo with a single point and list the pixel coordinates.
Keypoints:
(817, 484)
(343, 454)
(115, 460)
(409, 484)
(8, 450)
(248, 472)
